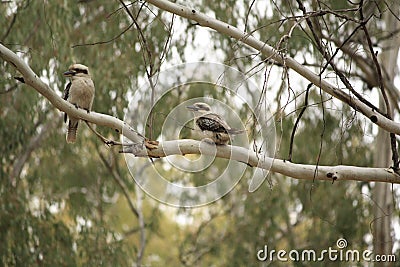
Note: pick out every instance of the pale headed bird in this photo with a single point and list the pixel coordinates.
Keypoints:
(80, 92)
(211, 125)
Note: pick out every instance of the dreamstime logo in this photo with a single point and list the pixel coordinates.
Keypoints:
(195, 180)
(329, 254)
(341, 243)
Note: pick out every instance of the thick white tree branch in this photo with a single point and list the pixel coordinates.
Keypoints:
(298, 171)
(182, 147)
(224, 28)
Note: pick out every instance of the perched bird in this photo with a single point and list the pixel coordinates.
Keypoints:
(211, 125)
(80, 92)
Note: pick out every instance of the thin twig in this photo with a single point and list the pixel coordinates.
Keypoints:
(120, 182)
(297, 122)
(148, 61)
(105, 140)
(108, 41)
(248, 14)
(329, 60)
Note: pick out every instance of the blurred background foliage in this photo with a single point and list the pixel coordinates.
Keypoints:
(68, 205)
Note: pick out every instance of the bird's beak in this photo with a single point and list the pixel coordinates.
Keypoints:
(192, 108)
(69, 73)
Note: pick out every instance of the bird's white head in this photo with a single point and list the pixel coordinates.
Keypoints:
(77, 70)
(199, 108)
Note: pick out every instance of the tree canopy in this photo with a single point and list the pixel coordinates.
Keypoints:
(330, 80)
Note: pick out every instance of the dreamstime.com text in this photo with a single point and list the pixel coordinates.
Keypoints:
(330, 254)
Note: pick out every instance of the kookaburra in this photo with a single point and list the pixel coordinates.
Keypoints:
(80, 92)
(211, 125)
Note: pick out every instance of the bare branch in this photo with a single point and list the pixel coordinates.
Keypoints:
(117, 178)
(108, 41)
(224, 28)
(366, 68)
(105, 140)
(298, 171)
(297, 122)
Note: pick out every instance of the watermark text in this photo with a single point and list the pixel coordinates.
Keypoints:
(330, 254)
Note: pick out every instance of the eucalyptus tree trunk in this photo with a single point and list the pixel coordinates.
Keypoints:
(382, 193)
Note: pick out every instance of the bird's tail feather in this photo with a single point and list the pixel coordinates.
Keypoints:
(72, 129)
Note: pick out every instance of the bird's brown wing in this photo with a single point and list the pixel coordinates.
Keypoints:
(212, 122)
(65, 97)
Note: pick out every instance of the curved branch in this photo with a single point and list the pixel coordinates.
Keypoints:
(224, 28)
(241, 154)
(296, 124)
